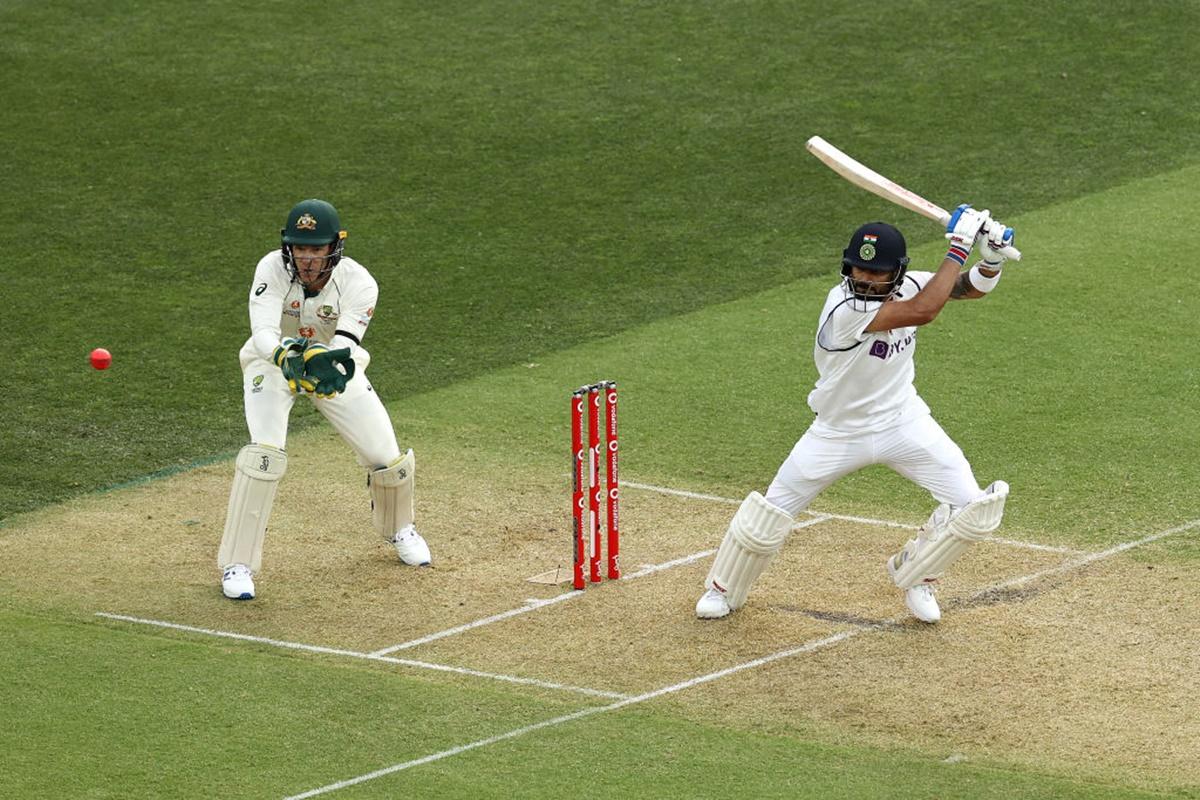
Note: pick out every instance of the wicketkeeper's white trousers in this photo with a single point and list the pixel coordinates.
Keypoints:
(918, 449)
(357, 413)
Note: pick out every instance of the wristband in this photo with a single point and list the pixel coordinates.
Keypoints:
(981, 281)
(959, 254)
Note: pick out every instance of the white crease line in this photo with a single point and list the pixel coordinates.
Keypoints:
(533, 605)
(816, 644)
(1035, 546)
(530, 605)
(807, 647)
(820, 516)
(1088, 558)
(333, 651)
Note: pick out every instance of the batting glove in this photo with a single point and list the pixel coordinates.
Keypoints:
(962, 229)
(996, 237)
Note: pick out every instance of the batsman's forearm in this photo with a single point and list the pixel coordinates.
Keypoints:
(936, 293)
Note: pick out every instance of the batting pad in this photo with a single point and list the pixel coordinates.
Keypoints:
(258, 469)
(756, 533)
(392, 495)
(945, 536)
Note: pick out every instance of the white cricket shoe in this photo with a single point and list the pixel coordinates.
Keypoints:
(237, 582)
(922, 603)
(411, 548)
(712, 605)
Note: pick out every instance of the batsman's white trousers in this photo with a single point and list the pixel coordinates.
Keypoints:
(918, 449)
(357, 413)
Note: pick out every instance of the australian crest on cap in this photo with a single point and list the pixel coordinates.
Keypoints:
(307, 222)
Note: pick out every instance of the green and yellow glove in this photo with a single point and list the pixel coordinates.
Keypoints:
(289, 357)
(320, 369)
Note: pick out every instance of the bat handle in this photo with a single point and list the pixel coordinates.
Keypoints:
(1011, 252)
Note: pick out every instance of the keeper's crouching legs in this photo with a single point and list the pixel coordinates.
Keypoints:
(391, 490)
(939, 543)
(756, 533)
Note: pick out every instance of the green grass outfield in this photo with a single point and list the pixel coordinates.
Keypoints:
(551, 194)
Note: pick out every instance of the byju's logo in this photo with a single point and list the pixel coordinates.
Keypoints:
(881, 349)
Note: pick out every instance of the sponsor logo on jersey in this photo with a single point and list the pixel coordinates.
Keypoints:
(371, 311)
(307, 332)
(884, 350)
(307, 222)
(295, 304)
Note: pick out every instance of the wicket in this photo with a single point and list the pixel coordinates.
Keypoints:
(591, 496)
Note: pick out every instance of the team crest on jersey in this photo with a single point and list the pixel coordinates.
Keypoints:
(307, 222)
(258, 379)
(326, 312)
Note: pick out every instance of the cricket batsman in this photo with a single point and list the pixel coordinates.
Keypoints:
(868, 412)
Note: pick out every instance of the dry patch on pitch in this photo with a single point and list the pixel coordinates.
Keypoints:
(1091, 671)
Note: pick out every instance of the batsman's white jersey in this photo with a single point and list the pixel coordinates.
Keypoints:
(337, 316)
(866, 379)
(868, 411)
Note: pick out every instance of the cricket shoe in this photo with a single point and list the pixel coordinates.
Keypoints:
(922, 603)
(411, 547)
(712, 605)
(237, 582)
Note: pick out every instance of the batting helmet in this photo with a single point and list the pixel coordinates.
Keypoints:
(876, 247)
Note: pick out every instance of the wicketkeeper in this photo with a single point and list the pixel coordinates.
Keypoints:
(869, 412)
(310, 306)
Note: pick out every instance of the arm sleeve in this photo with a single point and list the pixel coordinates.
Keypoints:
(266, 304)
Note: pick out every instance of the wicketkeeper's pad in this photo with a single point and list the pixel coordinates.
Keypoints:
(392, 495)
(945, 536)
(756, 533)
(257, 471)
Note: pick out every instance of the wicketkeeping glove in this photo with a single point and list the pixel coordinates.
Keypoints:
(320, 369)
(289, 357)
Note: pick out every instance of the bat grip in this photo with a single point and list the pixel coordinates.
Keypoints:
(1010, 252)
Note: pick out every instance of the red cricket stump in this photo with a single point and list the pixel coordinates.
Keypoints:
(612, 482)
(594, 479)
(577, 399)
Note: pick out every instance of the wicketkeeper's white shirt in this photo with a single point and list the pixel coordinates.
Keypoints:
(866, 379)
(279, 309)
